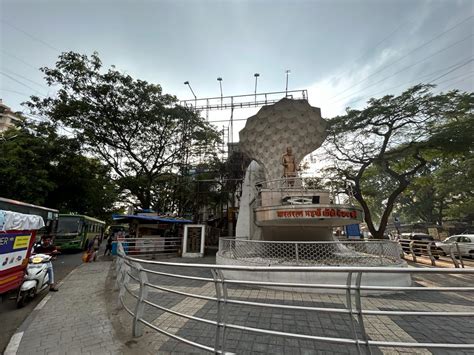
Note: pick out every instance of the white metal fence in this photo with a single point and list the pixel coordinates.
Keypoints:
(134, 277)
(152, 247)
(330, 253)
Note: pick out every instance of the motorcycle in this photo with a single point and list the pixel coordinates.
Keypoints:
(36, 278)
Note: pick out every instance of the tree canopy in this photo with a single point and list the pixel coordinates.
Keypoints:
(39, 166)
(137, 130)
(382, 148)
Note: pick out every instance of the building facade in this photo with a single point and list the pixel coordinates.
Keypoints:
(8, 118)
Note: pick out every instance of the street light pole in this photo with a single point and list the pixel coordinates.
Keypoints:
(190, 88)
(219, 79)
(256, 75)
(286, 88)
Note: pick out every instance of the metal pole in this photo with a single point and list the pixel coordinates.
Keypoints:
(219, 79)
(286, 89)
(190, 88)
(256, 75)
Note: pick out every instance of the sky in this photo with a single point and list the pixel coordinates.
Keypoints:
(342, 51)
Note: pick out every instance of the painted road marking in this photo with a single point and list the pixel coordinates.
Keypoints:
(14, 343)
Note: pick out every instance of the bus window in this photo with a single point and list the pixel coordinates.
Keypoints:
(68, 225)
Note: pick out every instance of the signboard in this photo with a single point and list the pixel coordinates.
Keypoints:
(13, 249)
(353, 231)
(318, 213)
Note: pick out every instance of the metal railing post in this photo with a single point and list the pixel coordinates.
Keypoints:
(459, 254)
(349, 308)
(118, 272)
(453, 257)
(124, 279)
(297, 254)
(221, 295)
(360, 317)
(430, 253)
(381, 253)
(411, 250)
(140, 306)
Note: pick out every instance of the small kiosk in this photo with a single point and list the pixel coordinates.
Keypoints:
(152, 234)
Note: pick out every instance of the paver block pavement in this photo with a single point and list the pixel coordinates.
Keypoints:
(75, 320)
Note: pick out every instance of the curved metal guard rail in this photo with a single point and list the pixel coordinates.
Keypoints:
(417, 248)
(131, 270)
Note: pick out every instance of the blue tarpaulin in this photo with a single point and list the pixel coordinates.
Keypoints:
(122, 217)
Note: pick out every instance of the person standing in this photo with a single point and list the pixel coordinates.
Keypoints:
(108, 246)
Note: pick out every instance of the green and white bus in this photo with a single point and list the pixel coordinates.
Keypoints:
(76, 231)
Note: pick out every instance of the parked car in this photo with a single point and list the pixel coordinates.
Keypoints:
(465, 243)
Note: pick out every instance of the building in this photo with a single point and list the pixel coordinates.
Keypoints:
(8, 118)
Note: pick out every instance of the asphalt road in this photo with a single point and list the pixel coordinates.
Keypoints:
(11, 317)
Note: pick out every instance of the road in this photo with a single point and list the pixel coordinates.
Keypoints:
(13, 317)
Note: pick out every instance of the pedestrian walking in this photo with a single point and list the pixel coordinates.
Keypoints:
(108, 246)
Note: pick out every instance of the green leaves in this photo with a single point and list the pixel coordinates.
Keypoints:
(138, 131)
(384, 147)
(41, 167)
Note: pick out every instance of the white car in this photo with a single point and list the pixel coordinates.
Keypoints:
(465, 243)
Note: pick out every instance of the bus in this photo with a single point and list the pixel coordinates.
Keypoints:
(76, 231)
(49, 215)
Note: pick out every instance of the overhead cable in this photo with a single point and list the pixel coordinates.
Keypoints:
(406, 55)
(407, 67)
(50, 46)
(21, 83)
(456, 66)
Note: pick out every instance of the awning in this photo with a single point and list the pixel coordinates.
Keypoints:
(160, 219)
(19, 221)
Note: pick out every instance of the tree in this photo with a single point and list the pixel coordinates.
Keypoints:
(41, 167)
(388, 142)
(444, 189)
(141, 133)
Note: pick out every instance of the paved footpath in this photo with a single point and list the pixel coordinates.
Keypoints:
(74, 320)
(83, 318)
(383, 328)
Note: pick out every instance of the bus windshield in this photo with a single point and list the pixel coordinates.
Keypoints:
(68, 225)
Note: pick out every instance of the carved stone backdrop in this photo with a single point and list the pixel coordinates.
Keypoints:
(288, 123)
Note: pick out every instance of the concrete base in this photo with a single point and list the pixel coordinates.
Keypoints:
(327, 278)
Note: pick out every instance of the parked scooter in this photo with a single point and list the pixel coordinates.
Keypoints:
(36, 279)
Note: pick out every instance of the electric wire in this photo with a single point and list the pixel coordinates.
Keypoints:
(463, 75)
(50, 46)
(411, 82)
(16, 92)
(18, 58)
(457, 82)
(405, 56)
(405, 68)
(24, 78)
(374, 47)
(21, 83)
(454, 69)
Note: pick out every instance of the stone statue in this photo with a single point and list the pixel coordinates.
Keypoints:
(289, 166)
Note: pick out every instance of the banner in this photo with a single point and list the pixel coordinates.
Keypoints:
(13, 249)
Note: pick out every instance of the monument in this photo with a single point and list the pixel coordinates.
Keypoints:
(280, 206)
(282, 219)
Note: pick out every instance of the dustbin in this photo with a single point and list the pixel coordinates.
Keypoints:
(114, 247)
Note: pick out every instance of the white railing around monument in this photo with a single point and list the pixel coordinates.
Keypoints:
(134, 283)
(321, 253)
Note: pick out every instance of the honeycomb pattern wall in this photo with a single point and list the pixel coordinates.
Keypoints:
(288, 123)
